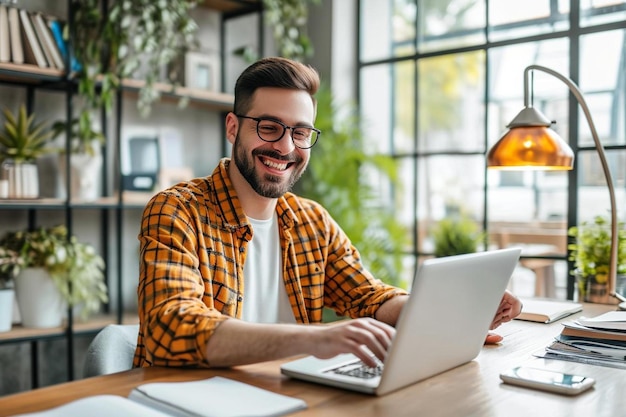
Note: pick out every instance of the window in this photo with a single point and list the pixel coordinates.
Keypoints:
(439, 80)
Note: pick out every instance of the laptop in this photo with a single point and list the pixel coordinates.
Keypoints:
(443, 325)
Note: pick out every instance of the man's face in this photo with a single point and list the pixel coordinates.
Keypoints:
(272, 168)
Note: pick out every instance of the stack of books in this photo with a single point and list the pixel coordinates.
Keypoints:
(31, 38)
(597, 340)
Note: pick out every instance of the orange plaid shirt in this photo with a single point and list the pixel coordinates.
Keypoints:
(193, 243)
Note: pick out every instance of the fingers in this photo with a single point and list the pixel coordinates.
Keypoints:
(509, 308)
(493, 338)
(365, 337)
(369, 337)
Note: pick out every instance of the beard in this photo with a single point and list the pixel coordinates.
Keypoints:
(268, 186)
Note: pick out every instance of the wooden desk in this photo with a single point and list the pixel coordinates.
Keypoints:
(473, 389)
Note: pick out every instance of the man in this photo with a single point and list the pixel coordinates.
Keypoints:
(235, 268)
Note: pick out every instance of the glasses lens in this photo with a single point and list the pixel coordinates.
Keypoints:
(270, 130)
(304, 137)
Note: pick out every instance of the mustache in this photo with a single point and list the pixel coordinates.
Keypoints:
(292, 157)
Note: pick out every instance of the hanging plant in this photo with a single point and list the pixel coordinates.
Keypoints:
(288, 20)
(130, 36)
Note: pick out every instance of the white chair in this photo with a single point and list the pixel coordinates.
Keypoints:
(112, 350)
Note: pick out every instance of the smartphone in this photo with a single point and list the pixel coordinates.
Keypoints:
(546, 380)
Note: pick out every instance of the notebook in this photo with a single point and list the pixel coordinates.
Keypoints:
(443, 324)
(544, 310)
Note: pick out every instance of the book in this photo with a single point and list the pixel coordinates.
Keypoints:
(613, 320)
(583, 351)
(574, 329)
(49, 46)
(5, 42)
(213, 397)
(56, 28)
(545, 310)
(15, 35)
(32, 49)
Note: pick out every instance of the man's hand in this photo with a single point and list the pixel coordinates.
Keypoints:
(361, 337)
(509, 308)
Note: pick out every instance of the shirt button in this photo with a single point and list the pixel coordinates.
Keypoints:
(242, 249)
(239, 298)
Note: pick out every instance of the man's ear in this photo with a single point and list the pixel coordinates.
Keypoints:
(232, 126)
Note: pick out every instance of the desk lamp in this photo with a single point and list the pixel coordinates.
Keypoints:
(531, 144)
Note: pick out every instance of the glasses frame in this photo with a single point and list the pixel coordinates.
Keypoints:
(285, 127)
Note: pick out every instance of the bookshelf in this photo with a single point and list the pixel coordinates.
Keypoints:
(105, 218)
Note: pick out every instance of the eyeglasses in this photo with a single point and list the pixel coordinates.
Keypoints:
(270, 130)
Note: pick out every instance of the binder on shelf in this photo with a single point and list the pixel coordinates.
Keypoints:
(33, 53)
(5, 45)
(49, 46)
(15, 35)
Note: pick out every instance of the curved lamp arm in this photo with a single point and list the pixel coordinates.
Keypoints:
(599, 148)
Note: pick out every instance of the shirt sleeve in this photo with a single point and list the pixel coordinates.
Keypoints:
(177, 318)
(350, 289)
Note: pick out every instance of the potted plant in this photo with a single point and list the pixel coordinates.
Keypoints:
(590, 252)
(22, 141)
(456, 236)
(7, 293)
(85, 159)
(52, 264)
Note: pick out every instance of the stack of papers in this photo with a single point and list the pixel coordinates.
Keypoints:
(597, 340)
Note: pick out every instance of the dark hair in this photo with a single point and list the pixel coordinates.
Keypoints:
(274, 72)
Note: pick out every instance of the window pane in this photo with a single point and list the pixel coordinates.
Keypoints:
(404, 200)
(510, 19)
(450, 23)
(404, 108)
(451, 103)
(595, 12)
(388, 107)
(602, 81)
(593, 193)
(387, 28)
(506, 84)
(449, 185)
(376, 107)
(541, 196)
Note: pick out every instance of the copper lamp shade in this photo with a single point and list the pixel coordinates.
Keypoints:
(530, 144)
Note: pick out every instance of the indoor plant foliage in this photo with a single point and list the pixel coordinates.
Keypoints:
(591, 252)
(334, 179)
(113, 44)
(288, 20)
(23, 139)
(84, 139)
(456, 236)
(75, 267)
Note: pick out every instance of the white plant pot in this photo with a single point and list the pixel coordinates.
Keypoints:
(22, 179)
(86, 172)
(6, 308)
(40, 303)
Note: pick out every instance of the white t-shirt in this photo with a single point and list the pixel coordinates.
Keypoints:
(265, 299)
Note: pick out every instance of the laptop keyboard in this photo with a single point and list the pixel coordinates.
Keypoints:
(358, 370)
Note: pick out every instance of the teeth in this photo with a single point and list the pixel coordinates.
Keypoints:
(275, 165)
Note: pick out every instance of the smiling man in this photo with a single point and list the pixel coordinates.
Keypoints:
(236, 269)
